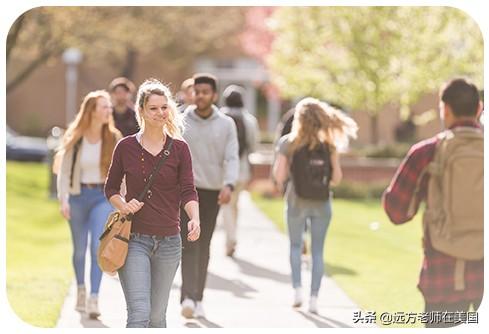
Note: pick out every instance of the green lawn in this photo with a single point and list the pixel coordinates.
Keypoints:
(39, 248)
(378, 269)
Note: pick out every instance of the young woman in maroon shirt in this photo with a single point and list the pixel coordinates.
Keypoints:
(155, 242)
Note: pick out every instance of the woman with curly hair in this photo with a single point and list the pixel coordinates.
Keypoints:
(309, 154)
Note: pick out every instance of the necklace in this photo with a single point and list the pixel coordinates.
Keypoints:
(149, 193)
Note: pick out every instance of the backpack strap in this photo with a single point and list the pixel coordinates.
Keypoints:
(76, 147)
(433, 168)
(412, 203)
(459, 275)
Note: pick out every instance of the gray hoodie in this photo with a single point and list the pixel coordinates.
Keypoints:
(213, 144)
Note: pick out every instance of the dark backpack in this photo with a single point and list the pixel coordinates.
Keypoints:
(240, 126)
(311, 172)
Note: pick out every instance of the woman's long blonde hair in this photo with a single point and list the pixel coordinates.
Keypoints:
(82, 122)
(316, 123)
(174, 125)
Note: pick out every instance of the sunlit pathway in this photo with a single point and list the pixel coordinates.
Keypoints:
(251, 290)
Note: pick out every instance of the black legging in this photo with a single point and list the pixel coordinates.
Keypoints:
(195, 255)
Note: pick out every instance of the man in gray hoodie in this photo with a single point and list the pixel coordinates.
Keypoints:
(213, 143)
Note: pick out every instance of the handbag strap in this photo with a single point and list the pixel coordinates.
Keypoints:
(166, 154)
(156, 168)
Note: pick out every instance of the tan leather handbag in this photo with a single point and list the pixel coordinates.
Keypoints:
(114, 241)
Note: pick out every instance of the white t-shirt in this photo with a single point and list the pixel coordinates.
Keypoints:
(90, 162)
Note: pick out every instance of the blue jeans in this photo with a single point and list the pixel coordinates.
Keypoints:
(319, 218)
(147, 276)
(89, 211)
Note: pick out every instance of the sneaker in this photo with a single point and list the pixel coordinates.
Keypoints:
(230, 252)
(92, 307)
(188, 307)
(230, 249)
(81, 299)
(199, 310)
(313, 305)
(297, 298)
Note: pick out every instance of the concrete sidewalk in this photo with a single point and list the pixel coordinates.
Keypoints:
(252, 289)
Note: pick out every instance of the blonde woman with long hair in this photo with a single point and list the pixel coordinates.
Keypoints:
(155, 245)
(84, 158)
(309, 156)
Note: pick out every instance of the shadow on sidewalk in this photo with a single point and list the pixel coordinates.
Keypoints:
(236, 287)
(332, 270)
(201, 323)
(91, 323)
(323, 322)
(251, 269)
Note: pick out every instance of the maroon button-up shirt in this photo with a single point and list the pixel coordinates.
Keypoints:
(436, 281)
(172, 187)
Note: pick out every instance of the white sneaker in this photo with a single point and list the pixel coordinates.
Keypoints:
(230, 248)
(297, 298)
(81, 299)
(92, 307)
(199, 310)
(188, 307)
(313, 305)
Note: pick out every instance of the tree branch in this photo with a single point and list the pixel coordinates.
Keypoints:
(13, 34)
(28, 70)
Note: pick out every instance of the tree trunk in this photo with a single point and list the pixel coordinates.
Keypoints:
(130, 64)
(374, 129)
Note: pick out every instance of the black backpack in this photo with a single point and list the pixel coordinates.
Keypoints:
(311, 172)
(240, 126)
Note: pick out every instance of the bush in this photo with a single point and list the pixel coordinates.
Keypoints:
(267, 137)
(397, 150)
(346, 189)
(359, 190)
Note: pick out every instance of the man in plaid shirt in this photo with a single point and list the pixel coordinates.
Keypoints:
(459, 106)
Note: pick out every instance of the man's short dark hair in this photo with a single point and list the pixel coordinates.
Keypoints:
(206, 78)
(122, 82)
(462, 96)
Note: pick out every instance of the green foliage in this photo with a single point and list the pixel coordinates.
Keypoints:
(359, 190)
(39, 268)
(394, 150)
(367, 57)
(110, 35)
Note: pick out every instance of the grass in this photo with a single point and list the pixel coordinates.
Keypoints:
(378, 269)
(39, 267)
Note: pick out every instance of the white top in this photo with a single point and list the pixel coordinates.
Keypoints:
(90, 162)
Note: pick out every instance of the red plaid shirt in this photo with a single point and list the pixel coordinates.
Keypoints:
(436, 280)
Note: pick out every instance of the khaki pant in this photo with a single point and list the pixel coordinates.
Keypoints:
(228, 216)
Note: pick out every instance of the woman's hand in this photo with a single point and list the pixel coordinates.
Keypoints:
(193, 230)
(132, 206)
(65, 209)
